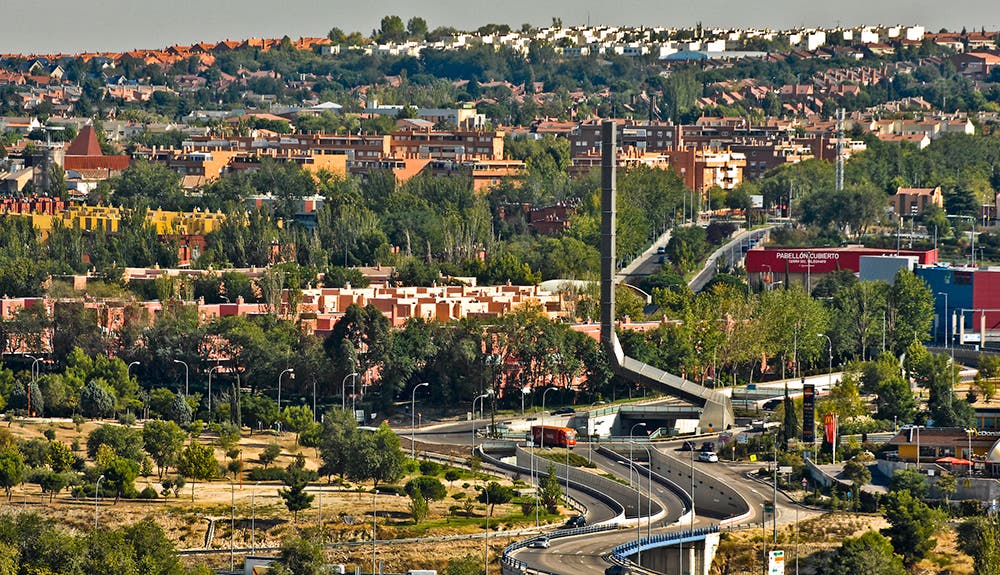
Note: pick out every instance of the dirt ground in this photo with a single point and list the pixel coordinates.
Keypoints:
(346, 510)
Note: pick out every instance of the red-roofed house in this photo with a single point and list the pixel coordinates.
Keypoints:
(84, 153)
(913, 201)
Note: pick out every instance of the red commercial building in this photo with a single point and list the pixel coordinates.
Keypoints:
(806, 266)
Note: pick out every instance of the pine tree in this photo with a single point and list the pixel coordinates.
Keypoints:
(550, 490)
(419, 508)
(296, 479)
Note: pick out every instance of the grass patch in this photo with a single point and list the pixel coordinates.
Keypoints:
(559, 456)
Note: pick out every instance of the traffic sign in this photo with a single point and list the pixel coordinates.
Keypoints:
(776, 563)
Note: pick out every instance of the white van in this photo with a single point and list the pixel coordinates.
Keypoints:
(421, 572)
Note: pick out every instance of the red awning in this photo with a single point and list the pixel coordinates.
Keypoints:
(953, 461)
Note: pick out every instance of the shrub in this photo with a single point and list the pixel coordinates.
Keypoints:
(430, 487)
(430, 468)
(266, 474)
(148, 493)
(127, 419)
(391, 490)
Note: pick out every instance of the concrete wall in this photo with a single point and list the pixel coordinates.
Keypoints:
(713, 498)
(977, 488)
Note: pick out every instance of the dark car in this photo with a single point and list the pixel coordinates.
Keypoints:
(564, 411)
(688, 446)
(707, 446)
(617, 570)
(576, 521)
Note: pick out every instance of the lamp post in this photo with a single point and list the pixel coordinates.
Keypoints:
(374, 525)
(631, 439)
(97, 499)
(478, 398)
(343, 389)
(232, 525)
(649, 490)
(184, 363)
(830, 359)
(544, 393)
(34, 364)
(253, 519)
(291, 373)
(210, 390)
(486, 536)
(413, 424)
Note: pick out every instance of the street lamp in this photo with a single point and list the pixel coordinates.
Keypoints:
(232, 526)
(631, 439)
(830, 358)
(253, 519)
(544, 393)
(413, 414)
(210, 390)
(649, 490)
(181, 361)
(343, 389)
(34, 374)
(291, 373)
(374, 525)
(483, 396)
(97, 498)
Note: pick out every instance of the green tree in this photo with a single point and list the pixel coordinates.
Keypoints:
(431, 488)
(123, 441)
(858, 474)
(340, 429)
(946, 485)
(11, 469)
(198, 461)
(303, 556)
(52, 483)
(296, 480)
(391, 30)
(416, 27)
(270, 453)
(60, 457)
(987, 552)
(419, 509)
(119, 475)
(97, 400)
(297, 418)
(910, 310)
(163, 440)
(912, 525)
(550, 493)
(495, 494)
(869, 554)
(376, 457)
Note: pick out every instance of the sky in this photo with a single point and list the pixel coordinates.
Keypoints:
(73, 26)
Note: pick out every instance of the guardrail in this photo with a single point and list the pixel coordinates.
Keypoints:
(661, 540)
(507, 560)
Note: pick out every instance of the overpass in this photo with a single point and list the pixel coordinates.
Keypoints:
(717, 409)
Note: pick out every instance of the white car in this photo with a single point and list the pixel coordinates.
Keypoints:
(540, 543)
(708, 457)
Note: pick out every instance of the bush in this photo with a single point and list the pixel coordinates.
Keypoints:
(459, 496)
(392, 490)
(266, 474)
(430, 487)
(127, 419)
(148, 493)
(429, 468)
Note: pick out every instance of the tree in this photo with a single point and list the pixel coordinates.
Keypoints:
(336, 441)
(303, 556)
(198, 461)
(269, 454)
(869, 554)
(119, 475)
(550, 492)
(61, 457)
(179, 410)
(296, 480)
(430, 487)
(391, 30)
(376, 457)
(911, 481)
(419, 509)
(858, 474)
(987, 552)
(163, 441)
(97, 400)
(912, 525)
(416, 27)
(297, 418)
(123, 441)
(52, 483)
(11, 469)
(911, 310)
(946, 485)
(495, 494)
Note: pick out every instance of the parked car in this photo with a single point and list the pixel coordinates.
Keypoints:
(707, 446)
(688, 446)
(576, 521)
(563, 411)
(708, 457)
(540, 543)
(661, 250)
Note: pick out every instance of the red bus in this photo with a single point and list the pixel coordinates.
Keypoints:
(554, 436)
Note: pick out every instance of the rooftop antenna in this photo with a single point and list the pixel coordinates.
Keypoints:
(840, 150)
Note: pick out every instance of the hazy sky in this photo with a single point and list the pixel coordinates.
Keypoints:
(94, 25)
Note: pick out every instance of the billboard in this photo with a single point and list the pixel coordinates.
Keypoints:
(756, 201)
(822, 260)
(776, 563)
(808, 413)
